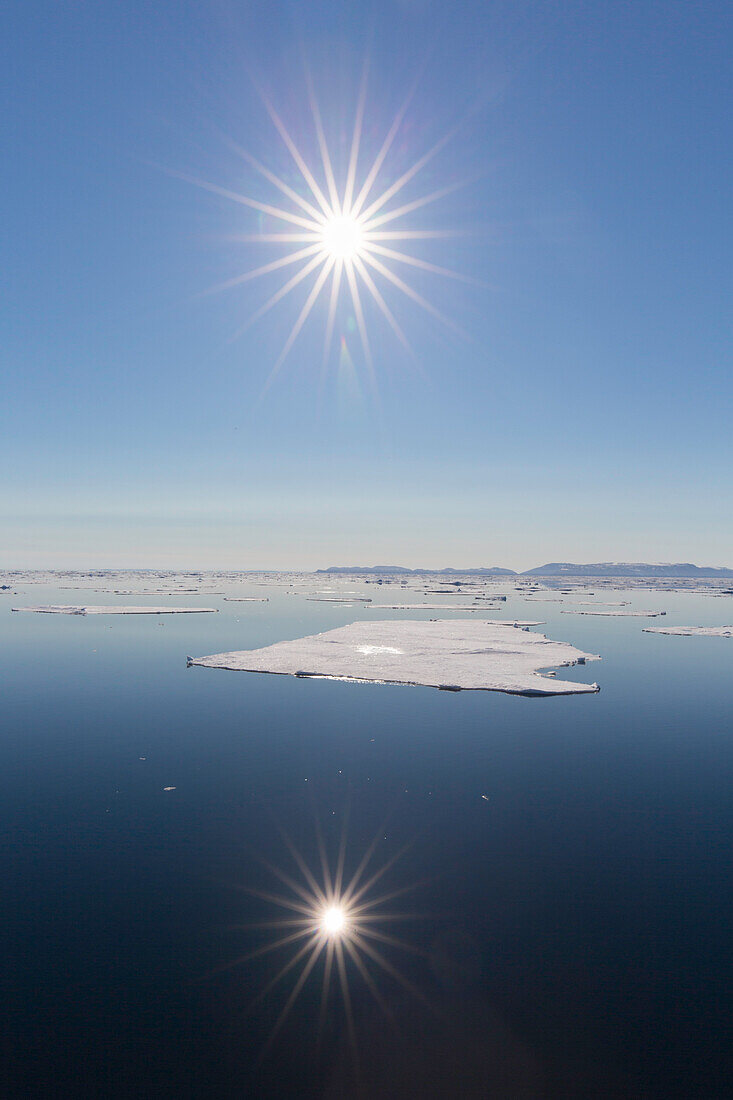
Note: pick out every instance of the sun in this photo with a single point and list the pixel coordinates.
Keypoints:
(343, 236)
(333, 921)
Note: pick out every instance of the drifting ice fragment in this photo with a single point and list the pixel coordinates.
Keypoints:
(247, 599)
(617, 614)
(692, 631)
(100, 609)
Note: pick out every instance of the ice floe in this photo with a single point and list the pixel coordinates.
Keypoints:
(111, 609)
(247, 599)
(483, 608)
(339, 599)
(450, 654)
(616, 614)
(692, 631)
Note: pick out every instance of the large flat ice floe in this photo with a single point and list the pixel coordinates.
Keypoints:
(451, 654)
(112, 609)
(692, 631)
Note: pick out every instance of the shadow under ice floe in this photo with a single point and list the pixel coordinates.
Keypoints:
(450, 654)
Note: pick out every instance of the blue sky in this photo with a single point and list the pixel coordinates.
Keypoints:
(585, 414)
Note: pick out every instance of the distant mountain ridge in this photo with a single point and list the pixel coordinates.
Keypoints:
(552, 569)
(402, 569)
(626, 569)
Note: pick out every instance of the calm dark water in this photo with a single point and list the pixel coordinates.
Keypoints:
(570, 933)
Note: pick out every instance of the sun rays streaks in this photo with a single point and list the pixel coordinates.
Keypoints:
(310, 302)
(337, 222)
(356, 140)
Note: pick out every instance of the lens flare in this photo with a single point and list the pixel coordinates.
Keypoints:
(342, 238)
(342, 233)
(338, 922)
(333, 921)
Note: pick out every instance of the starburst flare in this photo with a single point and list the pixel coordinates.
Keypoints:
(340, 233)
(341, 923)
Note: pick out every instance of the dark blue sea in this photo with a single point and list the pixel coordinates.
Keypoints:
(552, 876)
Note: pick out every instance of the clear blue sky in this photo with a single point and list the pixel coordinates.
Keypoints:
(587, 416)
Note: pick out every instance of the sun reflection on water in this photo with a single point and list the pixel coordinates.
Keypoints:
(336, 926)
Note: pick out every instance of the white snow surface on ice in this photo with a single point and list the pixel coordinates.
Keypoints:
(483, 608)
(617, 614)
(455, 654)
(111, 609)
(247, 599)
(692, 631)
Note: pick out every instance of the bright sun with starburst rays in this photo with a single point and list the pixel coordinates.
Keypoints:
(340, 235)
(334, 923)
(334, 920)
(343, 238)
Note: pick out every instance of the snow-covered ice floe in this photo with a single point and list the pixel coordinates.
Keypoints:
(483, 608)
(617, 614)
(247, 599)
(339, 599)
(111, 609)
(692, 631)
(444, 653)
